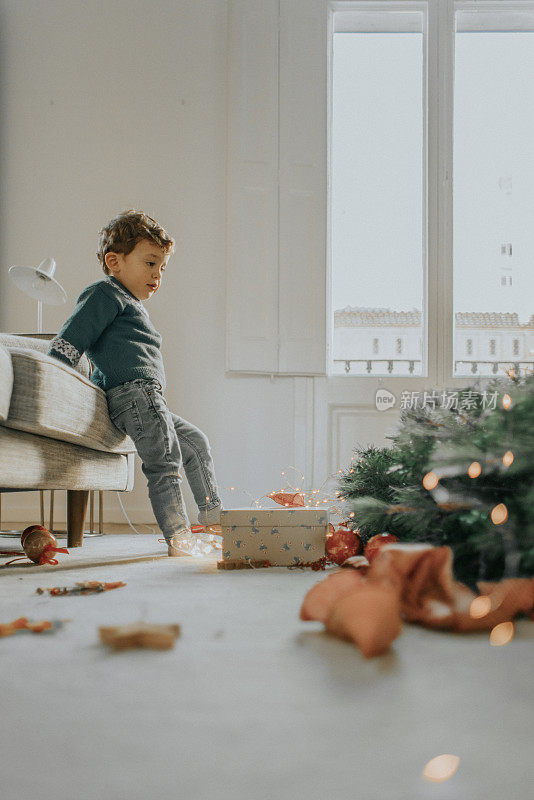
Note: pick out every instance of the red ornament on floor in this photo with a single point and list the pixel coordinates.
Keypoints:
(342, 543)
(376, 542)
(39, 544)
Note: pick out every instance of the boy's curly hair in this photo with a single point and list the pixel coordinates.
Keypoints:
(121, 234)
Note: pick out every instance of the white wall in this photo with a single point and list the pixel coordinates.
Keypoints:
(110, 104)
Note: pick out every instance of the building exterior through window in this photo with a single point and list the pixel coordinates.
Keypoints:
(382, 341)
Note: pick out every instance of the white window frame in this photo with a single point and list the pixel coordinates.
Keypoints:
(368, 17)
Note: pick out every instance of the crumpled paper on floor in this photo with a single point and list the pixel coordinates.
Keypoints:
(23, 624)
(366, 603)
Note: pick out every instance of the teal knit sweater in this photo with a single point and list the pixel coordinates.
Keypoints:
(113, 328)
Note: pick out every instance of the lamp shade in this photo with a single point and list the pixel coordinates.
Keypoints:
(39, 282)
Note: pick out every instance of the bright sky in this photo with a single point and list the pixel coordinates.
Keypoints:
(377, 171)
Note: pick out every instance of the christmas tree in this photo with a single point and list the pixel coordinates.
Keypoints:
(460, 473)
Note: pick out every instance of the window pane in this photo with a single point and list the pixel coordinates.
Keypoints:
(493, 201)
(376, 199)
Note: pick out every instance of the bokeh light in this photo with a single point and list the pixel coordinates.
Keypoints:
(474, 470)
(508, 458)
(501, 634)
(480, 606)
(441, 768)
(499, 514)
(430, 480)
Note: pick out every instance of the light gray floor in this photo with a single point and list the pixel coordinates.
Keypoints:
(252, 702)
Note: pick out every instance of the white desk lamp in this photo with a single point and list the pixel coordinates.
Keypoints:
(39, 282)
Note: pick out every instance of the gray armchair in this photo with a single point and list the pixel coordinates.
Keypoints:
(55, 431)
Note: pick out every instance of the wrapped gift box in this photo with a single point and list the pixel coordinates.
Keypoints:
(282, 536)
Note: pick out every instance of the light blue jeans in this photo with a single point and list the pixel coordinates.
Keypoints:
(139, 409)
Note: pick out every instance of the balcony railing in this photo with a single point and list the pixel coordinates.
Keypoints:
(370, 361)
(519, 367)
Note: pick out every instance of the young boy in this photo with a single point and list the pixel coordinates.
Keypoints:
(111, 325)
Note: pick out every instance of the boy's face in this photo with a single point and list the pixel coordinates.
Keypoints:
(141, 270)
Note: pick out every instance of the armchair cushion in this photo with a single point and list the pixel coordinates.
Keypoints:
(32, 462)
(51, 399)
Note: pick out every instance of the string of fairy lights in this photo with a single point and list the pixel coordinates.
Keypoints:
(299, 497)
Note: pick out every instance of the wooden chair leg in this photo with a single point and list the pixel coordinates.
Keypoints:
(51, 514)
(100, 509)
(76, 509)
(91, 511)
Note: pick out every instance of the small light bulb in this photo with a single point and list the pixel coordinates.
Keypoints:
(431, 480)
(474, 470)
(507, 401)
(499, 514)
(508, 458)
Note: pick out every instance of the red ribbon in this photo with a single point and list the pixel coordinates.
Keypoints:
(44, 559)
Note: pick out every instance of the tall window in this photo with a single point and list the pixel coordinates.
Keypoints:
(377, 161)
(494, 161)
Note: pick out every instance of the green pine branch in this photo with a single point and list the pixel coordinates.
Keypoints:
(385, 485)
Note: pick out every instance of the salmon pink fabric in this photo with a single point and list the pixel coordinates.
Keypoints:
(366, 603)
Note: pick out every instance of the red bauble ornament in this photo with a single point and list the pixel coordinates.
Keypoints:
(342, 543)
(39, 544)
(376, 542)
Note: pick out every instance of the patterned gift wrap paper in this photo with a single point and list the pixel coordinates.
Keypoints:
(282, 536)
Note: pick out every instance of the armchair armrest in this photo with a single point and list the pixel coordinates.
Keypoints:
(85, 365)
